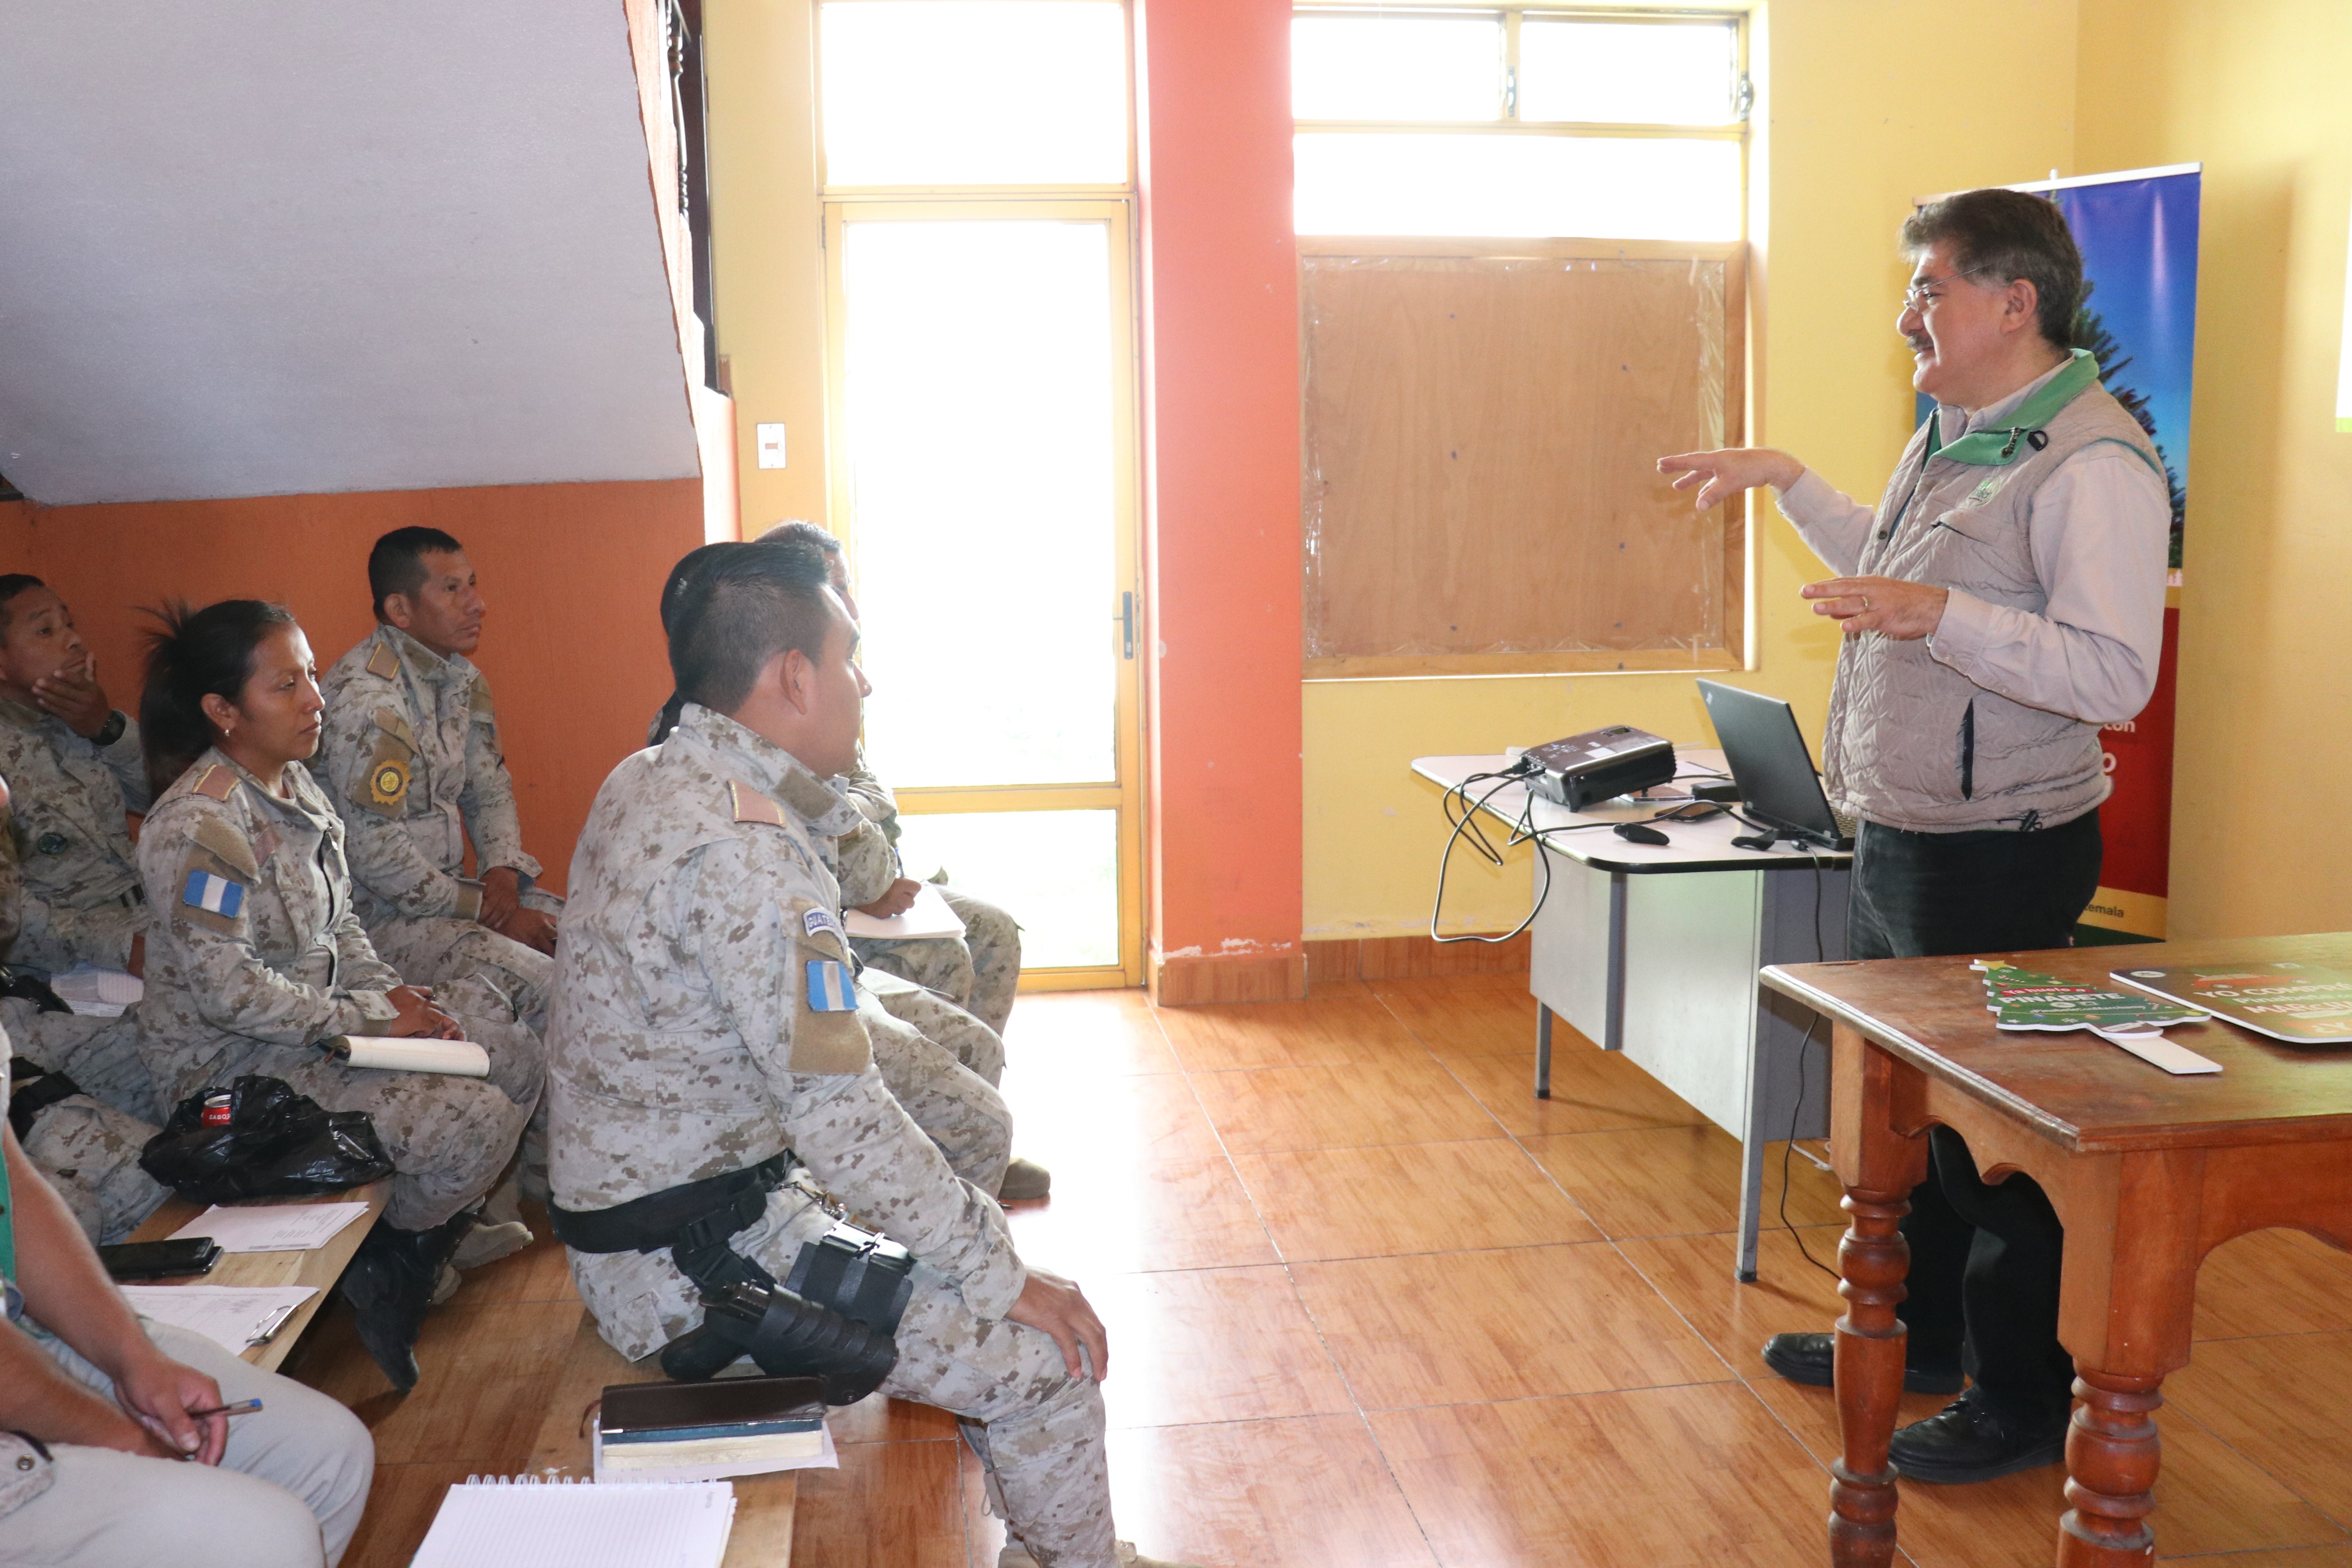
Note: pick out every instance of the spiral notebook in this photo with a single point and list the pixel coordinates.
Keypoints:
(494, 1522)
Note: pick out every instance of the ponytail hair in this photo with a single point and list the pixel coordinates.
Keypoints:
(193, 655)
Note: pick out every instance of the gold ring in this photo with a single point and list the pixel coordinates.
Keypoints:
(1866, 601)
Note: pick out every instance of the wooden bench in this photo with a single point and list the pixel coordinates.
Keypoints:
(320, 1266)
(762, 1537)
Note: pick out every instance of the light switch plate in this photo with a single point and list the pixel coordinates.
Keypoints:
(771, 445)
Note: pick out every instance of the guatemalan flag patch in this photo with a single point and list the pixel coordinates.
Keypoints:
(216, 895)
(830, 989)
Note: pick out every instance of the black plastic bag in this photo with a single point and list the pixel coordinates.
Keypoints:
(276, 1143)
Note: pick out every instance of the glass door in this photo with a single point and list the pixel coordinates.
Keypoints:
(984, 478)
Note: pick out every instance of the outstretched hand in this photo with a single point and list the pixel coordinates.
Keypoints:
(1891, 605)
(1723, 473)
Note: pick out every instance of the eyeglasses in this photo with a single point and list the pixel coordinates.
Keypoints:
(1919, 296)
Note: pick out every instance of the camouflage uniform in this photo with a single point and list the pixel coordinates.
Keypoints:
(699, 1027)
(944, 1076)
(410, 756)
(87, 1144)
(978, 972)
(80, 897)
(258, 989)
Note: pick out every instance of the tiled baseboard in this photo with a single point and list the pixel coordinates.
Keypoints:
(1411, 958)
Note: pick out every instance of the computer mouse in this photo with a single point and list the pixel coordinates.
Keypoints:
(1642, 833)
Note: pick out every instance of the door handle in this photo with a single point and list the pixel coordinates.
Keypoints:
(1126, 625)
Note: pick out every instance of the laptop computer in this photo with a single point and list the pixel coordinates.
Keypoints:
(1770, 762)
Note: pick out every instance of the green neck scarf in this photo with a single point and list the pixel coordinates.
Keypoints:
(1998, 448)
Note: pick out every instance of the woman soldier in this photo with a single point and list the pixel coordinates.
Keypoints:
(255, 961)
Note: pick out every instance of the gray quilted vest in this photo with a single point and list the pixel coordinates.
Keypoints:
(1913, 743)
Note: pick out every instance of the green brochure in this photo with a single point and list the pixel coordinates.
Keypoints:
(2303, 1004)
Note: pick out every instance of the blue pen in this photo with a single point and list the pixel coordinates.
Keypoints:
(242, 1407)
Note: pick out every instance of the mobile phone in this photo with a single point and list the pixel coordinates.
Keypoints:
(161, 1259)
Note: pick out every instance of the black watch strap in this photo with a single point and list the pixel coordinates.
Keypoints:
(111, 731)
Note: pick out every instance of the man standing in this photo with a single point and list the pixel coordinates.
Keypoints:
(2003, 601)
(707, 1038)
(410, 756)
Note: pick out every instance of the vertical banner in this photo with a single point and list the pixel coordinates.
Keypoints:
(2138, 233)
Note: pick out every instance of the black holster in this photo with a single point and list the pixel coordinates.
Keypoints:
(840, 1331)
(32, 1090)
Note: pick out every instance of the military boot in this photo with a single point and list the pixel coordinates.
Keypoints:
(390, 1283)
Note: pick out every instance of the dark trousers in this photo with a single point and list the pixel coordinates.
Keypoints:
(1985, 1259)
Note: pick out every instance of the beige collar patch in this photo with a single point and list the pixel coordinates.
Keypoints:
(751, 806)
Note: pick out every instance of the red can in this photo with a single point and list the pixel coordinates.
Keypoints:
(217, 1109)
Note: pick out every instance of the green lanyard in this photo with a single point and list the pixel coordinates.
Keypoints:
(7, 1213)
(1997, 449)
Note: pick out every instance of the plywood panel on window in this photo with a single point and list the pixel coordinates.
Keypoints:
(1480, 490)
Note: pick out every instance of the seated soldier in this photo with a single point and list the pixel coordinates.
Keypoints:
(73, 763)
(411, 758)
(105, 1461)
(942, 1064)
(978, 972)
(84, 1138)
(704, 1037)
(255, 961)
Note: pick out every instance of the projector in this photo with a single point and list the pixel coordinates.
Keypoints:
(1582, 771)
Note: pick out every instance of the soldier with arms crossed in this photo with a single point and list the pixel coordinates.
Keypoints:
(705, 1029)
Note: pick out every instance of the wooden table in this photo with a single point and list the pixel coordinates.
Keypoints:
(2148, 1171)
(320, 1267)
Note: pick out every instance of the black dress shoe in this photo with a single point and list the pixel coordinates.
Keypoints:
(389, 1283)
(1968, 1440)
(1811, 1360)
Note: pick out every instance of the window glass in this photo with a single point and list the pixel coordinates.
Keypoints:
(977, 404)
(1396, 67)
(1057, 870)
(960, 92)
(1510, 186)
(1644, 73)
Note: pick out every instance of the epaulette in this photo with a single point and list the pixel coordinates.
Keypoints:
(384, 663)
(216, 783)
(752, 806)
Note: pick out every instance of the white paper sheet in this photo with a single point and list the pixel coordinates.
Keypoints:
(460, 1058)
(2156, 1051)
(272, 1227)
(532, 1526)
(928, 916)
(234, 1316)
(97, 993)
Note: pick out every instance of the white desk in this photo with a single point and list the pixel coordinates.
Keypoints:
(1652, 950)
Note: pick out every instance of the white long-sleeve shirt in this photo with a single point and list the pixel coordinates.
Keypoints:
(2101, 529)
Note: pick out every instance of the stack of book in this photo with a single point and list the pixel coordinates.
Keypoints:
(709, 1431)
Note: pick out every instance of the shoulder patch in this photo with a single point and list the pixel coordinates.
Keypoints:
(225, 841)
(815, 919)
(383, 662)
(212, 893)
(480, 701)
(216, 783)
(750, 806)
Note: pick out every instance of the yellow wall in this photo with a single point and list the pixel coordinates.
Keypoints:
(1864, 107)
(761, 74)
(2253, 89)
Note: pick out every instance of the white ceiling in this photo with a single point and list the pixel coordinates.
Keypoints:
(272, 246)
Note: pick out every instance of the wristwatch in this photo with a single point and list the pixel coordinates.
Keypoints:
(111, 731)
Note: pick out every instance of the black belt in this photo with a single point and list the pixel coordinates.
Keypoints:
(694, 1222)
(33, 1090)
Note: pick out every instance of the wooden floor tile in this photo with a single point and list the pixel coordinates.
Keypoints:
(1140, 1180)
(2273, 1282)
(1311, 1493)
(1678, 1181)
(2280, 1402)
(2304, 1557)
(1591, 1091)
(1430, 1197)
(1810, 1414)
(878, 1418)
(1323, 1031)
(1084, 1034)
(1215, 1345)
(402, 1501)
(1344, 1107)
(486, 1370)
(1470, 1015)
(540, 1272)
(2209, 1498)
(1664, 1478)
(890, 1505)
(1459, 1327)
(1789, 1295)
